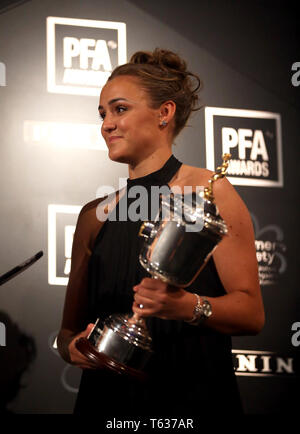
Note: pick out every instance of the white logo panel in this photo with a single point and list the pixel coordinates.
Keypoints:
(64, 135)
(253, 138)
(263, 364)
(81, 54)
(2, 74)
(61, 226)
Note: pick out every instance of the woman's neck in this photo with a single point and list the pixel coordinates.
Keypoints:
(149, 164)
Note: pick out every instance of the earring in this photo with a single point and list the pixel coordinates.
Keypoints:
(164, 123)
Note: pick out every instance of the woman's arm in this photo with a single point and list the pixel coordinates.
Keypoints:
(241, 310)
(76, 301)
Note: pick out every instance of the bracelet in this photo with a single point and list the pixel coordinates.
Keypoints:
(202, 311)
(196, 309)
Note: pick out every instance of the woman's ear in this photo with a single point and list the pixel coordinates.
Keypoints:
(167, 112)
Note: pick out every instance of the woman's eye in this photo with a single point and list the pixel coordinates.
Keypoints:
(121, 109)
(101, 116)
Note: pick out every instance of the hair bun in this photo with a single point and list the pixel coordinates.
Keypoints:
(164, 76)
(142, 57)
(164, 59)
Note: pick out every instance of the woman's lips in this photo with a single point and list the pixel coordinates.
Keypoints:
(112, 139)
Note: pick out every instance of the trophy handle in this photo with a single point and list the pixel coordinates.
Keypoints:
(219, 173)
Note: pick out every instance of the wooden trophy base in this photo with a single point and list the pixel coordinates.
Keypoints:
(102, 361)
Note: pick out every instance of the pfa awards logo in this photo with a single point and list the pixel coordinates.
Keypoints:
(81, 54)
(253, 138)
(61, 227)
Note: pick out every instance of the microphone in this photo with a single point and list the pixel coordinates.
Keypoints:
(20, 268)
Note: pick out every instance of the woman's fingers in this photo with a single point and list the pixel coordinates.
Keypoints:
(142, 310)
(157, 298)
(77, 358)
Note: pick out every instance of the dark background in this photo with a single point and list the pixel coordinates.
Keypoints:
(244, 52)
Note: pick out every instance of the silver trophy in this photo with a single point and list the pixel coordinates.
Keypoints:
(177, 246)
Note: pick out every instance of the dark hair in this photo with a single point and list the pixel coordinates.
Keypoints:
(164, 76)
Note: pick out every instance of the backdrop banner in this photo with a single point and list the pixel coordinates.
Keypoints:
(55, 56)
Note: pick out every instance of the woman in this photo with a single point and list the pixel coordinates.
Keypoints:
(144, 106)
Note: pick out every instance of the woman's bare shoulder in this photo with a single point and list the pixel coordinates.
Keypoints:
(191, 175)
(89, 221)
(224, 192)
(90, 208)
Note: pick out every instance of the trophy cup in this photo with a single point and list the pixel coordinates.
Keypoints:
(175, 250)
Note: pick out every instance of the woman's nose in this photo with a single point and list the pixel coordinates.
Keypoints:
(108, 124)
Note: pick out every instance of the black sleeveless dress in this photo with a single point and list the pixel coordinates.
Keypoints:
(191, 371)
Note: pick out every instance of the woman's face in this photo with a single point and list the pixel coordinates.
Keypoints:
(130, 127)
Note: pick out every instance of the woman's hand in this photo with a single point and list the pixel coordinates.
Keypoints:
(164, 301)
(76, 357)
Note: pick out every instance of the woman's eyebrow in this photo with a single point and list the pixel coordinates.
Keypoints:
(112, 101)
